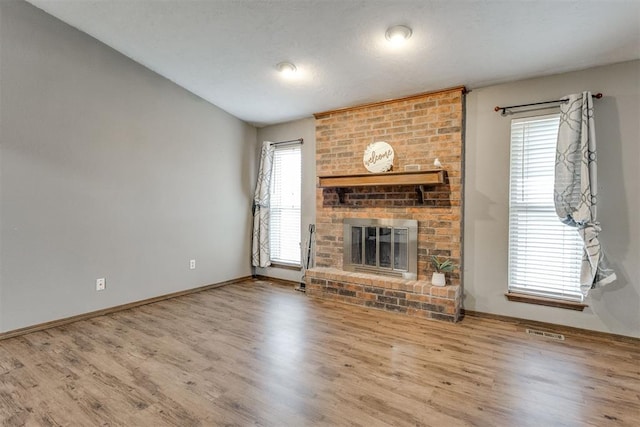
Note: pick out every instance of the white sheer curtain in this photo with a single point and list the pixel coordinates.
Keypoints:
(260, 256)
(575, 190)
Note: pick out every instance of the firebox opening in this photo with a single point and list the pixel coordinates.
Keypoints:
(381, 246)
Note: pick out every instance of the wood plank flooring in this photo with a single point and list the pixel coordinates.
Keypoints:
(259, 353)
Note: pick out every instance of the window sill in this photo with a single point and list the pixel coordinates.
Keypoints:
(550, 302)
(285, 266)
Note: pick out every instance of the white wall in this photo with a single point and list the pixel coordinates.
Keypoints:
(109, 170)
(304, 128)
(615, 309)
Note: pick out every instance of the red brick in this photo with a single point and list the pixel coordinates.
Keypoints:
(419, 130)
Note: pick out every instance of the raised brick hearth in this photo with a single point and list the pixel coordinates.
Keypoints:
(420, 129)
(412, 297)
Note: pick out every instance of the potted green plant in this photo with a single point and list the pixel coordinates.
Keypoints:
(442, 266)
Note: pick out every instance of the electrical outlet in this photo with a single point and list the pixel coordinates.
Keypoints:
(101, 284)
(192, 264)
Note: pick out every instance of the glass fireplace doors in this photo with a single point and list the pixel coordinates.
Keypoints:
(382, 246)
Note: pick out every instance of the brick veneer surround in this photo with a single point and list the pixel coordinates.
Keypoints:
(413, 297)
(419, 128)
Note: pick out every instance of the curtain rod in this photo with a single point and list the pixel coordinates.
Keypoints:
(291, 141)
(557, 101)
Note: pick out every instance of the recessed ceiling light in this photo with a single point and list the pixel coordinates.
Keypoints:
(287, 69)
(398, 34)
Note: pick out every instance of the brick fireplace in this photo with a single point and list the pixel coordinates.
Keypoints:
(420, 129)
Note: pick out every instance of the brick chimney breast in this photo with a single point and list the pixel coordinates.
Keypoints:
(420, 129)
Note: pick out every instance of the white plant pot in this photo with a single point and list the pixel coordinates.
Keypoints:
(438, 279)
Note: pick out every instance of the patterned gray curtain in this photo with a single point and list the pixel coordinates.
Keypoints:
(260, 254)
(576, 186)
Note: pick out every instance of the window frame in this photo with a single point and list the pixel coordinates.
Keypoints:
(295, 214)
(521, 255)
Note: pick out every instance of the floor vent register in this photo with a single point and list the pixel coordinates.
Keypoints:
(545, 334)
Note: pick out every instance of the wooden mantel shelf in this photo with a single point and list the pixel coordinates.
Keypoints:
(417, 178)
(426, 177)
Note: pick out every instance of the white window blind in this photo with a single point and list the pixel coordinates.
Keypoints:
(284, 230)
(544, 253)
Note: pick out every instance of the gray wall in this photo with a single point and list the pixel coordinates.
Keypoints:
(615, 309)
(109, 170)
(306, 129)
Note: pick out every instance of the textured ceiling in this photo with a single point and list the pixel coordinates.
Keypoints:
(226, 50)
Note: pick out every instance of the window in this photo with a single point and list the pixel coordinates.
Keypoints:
(284, 229)
(544, 254)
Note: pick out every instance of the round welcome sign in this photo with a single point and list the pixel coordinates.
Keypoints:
(378, 157)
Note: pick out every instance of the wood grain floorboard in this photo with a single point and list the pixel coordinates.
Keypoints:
(259, 353)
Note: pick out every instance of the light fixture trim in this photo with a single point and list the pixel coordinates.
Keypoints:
(398, 33)
(286, 68)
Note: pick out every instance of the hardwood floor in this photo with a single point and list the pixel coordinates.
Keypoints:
(259, 353)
